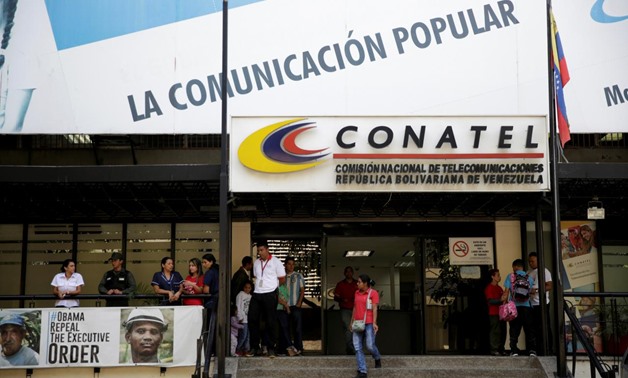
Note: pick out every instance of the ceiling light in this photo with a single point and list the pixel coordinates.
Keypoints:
(358, 253)
(404, 264)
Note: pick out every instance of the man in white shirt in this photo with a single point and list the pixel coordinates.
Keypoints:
(535, 301)
(269, 272)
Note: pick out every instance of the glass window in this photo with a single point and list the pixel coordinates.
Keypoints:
(96, 243)
(307, 259)
(10, 261)
(195, 240)
(48, 246)
(147, 244)
(615, 260)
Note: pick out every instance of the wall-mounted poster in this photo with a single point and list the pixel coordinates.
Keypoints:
(580, 273)
(112, 336)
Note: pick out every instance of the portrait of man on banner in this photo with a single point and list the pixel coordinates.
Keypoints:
(19, 338)
(146, 335)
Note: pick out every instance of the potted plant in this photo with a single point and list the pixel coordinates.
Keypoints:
(614, 325)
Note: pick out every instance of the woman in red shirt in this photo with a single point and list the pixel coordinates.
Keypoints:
(193, 283)
(365, 308)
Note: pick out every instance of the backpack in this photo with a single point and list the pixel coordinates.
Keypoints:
(520, 287)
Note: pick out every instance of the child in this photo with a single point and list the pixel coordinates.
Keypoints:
(524, 310)
(242, 303)
(493, 293)
(235, 327)
(283, 310)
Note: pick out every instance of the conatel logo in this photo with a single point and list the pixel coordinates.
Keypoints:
(598, 14)
(273, 149)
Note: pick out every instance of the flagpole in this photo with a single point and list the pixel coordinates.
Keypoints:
(224, 328)
(559, 341)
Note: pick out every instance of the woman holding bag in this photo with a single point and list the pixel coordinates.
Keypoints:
(365, 313)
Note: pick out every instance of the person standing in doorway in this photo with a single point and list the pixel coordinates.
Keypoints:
(344, 294)
(497, 328)
(519, 291)
(240, 277)
(365, 308)
(117, 282)
(296, 293)
(243, 299)
(67, 284)
(535, 301)
(269, 272)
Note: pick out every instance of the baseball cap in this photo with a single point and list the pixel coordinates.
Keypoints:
(12, 319)
(146, 315)
(116, 256)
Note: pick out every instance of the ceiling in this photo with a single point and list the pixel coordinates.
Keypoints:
(386, 250)
(175, 193)
(199, 201)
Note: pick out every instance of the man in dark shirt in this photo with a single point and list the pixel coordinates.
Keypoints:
(117, 281)
(344, 294)
(241, 276)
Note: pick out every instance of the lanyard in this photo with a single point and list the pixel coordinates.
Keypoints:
(264, 265)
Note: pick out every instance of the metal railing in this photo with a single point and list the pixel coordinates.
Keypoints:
(600, 329)
(98, 297)
(205, 341)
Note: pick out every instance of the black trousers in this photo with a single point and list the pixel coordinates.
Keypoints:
(263, 307)
(540, 336)
(523, 320)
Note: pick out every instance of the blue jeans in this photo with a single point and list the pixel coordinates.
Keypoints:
(243, 339)
(358, 339)
(284, 331)
(297, 325)
(293, 321)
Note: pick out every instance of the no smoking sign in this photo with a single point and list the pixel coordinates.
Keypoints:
(471, 251)
(461, 248)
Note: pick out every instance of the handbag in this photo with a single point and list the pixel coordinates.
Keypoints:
(508, 311)
(360, 325)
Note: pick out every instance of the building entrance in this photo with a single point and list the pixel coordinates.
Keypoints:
(426, 305)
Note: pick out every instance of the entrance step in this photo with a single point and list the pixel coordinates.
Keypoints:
(392, 367)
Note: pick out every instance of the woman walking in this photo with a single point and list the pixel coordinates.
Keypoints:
(365, 311)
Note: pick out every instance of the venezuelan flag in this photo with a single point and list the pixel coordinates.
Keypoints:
(561, 78)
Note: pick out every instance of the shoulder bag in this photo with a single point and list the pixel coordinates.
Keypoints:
(360, 325)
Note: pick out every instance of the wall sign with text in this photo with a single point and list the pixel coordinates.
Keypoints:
(370, 154)
(471, 251)
(112, 336)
